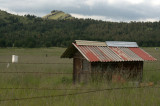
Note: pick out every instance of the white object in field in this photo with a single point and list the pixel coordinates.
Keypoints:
(14, 59)
(8, 65)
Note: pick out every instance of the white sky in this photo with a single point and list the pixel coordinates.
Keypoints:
(108, 10)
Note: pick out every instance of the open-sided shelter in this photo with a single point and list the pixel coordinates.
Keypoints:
(111, 60)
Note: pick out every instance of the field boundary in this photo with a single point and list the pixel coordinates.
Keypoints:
(49, 63)
(51, 73)
(70, 94)
(33, 63)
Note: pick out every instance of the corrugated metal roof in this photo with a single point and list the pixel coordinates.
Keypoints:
(98, 53)
(91, 43)
(131, 54)
(141, 53)
(107, 54)
(121, 44)
(121, 53)
(126, 54)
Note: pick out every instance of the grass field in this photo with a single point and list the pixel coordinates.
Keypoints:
(47, 85)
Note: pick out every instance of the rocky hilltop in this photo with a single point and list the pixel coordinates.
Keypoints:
(58, 15)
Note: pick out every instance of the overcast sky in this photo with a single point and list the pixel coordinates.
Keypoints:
(108, 10)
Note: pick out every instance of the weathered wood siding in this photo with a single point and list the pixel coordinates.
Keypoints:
(83, 71)
(81, 68)
(125, 70)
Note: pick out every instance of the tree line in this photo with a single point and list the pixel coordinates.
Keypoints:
(31, 31)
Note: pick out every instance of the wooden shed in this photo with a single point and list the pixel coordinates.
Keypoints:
(112, 60)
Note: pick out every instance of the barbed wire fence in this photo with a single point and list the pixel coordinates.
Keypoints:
(72, 94)
(61, 73)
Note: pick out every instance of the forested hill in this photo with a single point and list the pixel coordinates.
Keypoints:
(32, 31)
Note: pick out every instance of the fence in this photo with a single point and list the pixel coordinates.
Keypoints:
(62, 95)
(78, 93)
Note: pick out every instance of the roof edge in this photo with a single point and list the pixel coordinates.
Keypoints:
(80, 51)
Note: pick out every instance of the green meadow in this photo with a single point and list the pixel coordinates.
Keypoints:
(31, 82)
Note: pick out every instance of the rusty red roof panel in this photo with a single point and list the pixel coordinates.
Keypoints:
(141, 53)
(91, 55)
(120, 53)
(131, 54)
(110, 54)
(98, 53)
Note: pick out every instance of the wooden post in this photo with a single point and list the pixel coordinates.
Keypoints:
(141, 76)
(74, 79)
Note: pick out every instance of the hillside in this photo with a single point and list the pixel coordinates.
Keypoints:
(58, 15)
(4, 16)
(31, 31)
